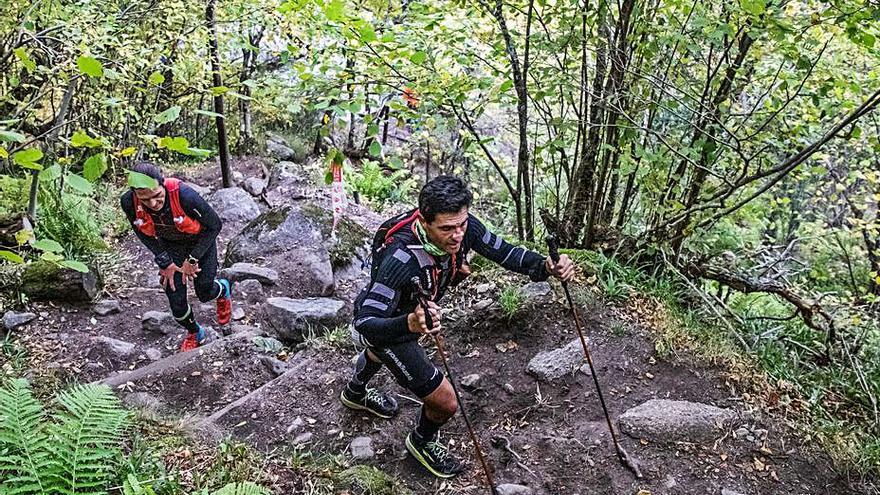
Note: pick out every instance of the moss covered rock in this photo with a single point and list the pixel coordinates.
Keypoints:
(46, 281)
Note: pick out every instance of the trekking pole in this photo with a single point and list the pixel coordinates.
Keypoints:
(624, 457)
(424, 297)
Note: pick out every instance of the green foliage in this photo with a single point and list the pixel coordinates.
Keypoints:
(368, 480)
(380, 186)
(71, 451)
(71, 220)
(510, 300)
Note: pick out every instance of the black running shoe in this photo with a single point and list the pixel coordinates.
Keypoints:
(374, 401)
(434, 456)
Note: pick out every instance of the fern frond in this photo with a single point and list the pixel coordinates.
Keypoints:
(246, 488)
(25, 459)
(86, 438)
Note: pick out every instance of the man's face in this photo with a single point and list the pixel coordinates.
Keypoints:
(153, 199)
(447, 230)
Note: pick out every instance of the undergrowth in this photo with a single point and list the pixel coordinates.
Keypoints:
(775, 363)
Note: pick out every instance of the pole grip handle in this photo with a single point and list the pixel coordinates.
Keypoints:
(553, 247)
(423, 298)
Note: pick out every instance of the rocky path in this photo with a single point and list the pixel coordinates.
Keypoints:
(268, 380)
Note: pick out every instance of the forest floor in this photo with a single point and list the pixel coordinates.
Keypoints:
(550, 437)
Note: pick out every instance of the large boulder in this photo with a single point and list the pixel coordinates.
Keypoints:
(288, 183)
(276, 147)
(294, 319)
(46, 281)
(554, 364)
(291, 240)
(662, 420)
(234, 204)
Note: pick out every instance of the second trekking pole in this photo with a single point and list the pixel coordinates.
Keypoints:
(424, 297)
(624, 457)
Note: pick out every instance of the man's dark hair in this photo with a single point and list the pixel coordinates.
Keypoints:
(443, 194)
(149, 169)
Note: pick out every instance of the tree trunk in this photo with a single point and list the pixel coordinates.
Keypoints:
(581, 194)
(218, 99)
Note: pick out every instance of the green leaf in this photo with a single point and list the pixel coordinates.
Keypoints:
(367, 33)
(90, 66)
(10, 256)
(11, 136)
(22, 55)
(75, 265)
(23, 236)
(334, 10)
(754, 7)
(95, 167)
(48, 245)
(156, 78)
(82, 139)
(78, 183)
(50, 173)
(375, 149)
(219, 90)
(178, 144)
(169, 115)
(51, 257)
(418, 57)
(28, 158)
(209, 114)
(138, 180)
(506, 85)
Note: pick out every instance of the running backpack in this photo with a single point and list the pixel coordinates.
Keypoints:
(384, 237)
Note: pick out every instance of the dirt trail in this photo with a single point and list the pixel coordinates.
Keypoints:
(555, 432)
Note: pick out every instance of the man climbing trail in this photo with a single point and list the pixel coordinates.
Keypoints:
(430, 243)
(180, 228)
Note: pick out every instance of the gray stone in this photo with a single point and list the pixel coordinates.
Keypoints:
(248, 271)
(509, 388)
(742, 432)
(13, 320)
(237, 176)
(552, 365)
(471, 381)
(483, 288)
(254, 185)
(361, 448)
(536, 291)
(250, 291)
(481, 305)
(238, 328)
(662, 420)
(303, 438)
(153, 354)
(512, 489)
(277, 148)
(118, 348)
(238, 314)
(234, 204)
(297, 425)
(670, 482)
(276, 366)
(106, 307)
(728, 491)
(293, 319)
(159, 322)
(292, 240)
(288, 182)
